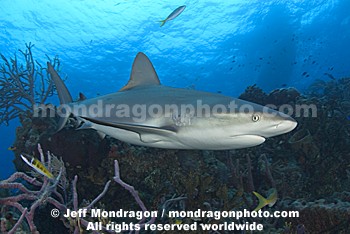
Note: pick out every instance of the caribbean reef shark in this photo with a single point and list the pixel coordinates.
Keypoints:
(146, 113)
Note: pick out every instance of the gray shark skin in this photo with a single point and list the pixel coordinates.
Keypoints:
(205, 128)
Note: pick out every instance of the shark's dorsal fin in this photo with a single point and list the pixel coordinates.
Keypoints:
(142, 73)
(82, 97)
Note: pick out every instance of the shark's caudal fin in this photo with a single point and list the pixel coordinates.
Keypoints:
(142, 73)
(162, 22)
(63, 93)
(62, 90)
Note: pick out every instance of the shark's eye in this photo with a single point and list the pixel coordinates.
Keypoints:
(256, 118)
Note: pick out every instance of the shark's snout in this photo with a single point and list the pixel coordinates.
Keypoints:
(278, 124)
(286, 125)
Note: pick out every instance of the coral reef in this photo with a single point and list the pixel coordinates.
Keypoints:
(331, 215)
(309, 167)
(276, 97)
(22, 86)
(54, 192)
(38, 197)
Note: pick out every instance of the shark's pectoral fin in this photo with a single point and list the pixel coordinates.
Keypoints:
(142, 73)
(147, 134)
(149, 138)
(243, 141)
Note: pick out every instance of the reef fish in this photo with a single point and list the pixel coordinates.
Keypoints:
(12, 148)
(270, 200)
(37, 165)
(146, 113)
(173, 15)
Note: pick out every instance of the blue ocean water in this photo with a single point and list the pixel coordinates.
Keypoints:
(216, 46)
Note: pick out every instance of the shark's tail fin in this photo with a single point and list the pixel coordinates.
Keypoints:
(162, 22)
(63, 94)
(62, 90)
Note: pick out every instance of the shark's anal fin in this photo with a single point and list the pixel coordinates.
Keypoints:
(142, 73)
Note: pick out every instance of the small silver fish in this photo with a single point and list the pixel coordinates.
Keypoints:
(173, 14)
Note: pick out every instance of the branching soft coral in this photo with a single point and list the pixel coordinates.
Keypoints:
(22, 86)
